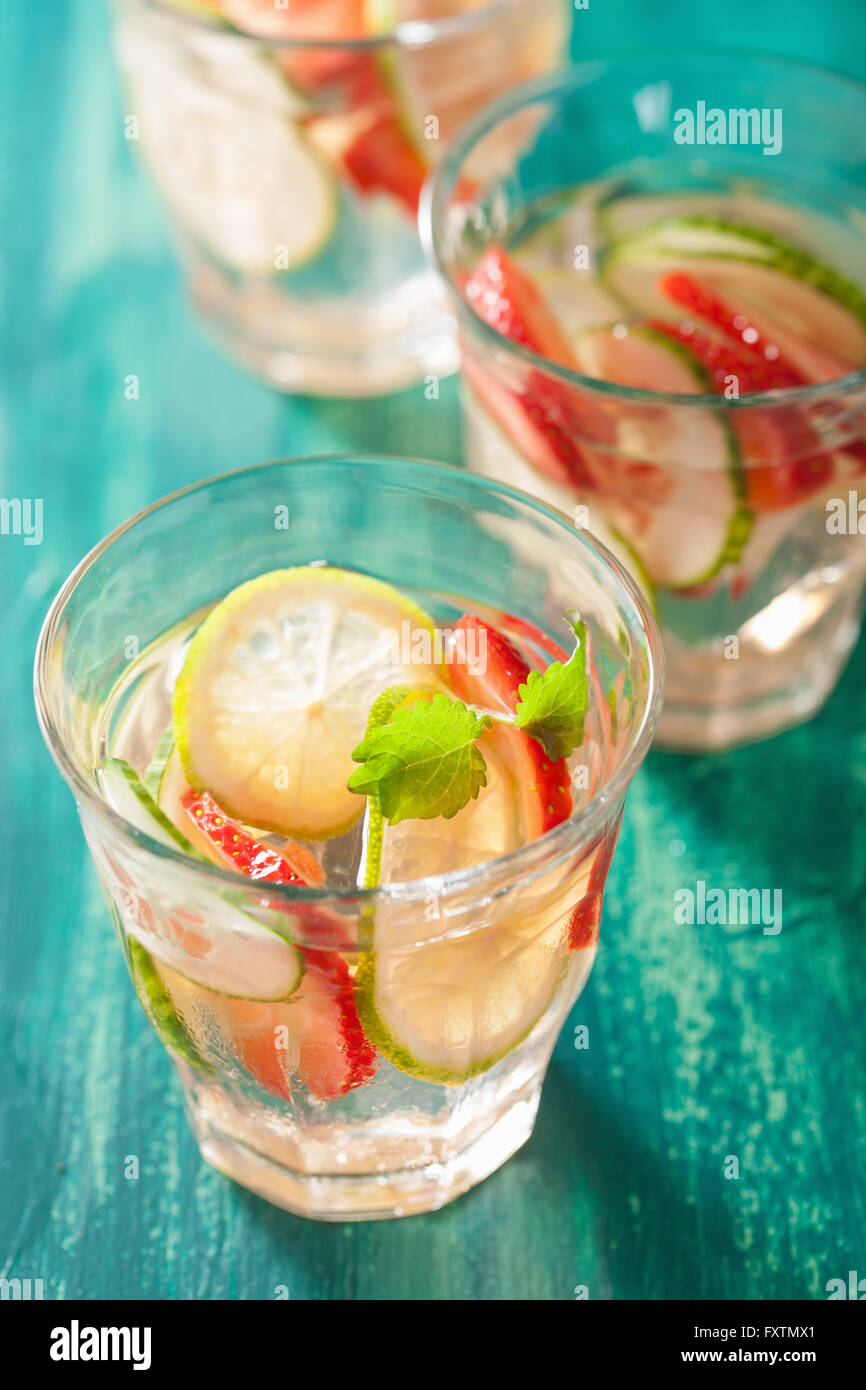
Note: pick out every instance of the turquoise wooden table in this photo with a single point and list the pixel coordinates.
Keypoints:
(705, 1043)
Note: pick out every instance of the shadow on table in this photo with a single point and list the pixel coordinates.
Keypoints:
(585, 1204)
(785, 813)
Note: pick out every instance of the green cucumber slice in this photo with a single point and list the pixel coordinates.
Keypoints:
(232, 163)
(157, 764)
(640, 358)
(198, 9)
(201, 934)
(623, 216)
(748, 266)
(702, 527)
(129, 796)
(157, 1004)
(702, 523)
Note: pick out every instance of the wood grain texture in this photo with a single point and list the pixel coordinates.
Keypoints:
(704, 1042)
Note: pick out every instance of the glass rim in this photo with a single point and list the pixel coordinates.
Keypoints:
(415, 33)
(437, 190)
(529, 859)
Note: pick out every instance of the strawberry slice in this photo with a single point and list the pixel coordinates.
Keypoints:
(316, 1035)
(506, 298)
(585, 920)
(491, 680)
(784, 463)
(773, 358)
(382, 159)
(547, 419)
(311, 68)
(700, 300)
(721, 360)
(790, 476)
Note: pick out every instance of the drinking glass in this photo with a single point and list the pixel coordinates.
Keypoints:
(290, 151)
(403, 1142)
(759, 601)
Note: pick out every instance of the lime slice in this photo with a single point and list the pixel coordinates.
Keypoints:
(446, 1010)
(276, 688)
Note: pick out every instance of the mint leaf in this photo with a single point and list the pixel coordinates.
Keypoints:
(553, 703)
(424, 763)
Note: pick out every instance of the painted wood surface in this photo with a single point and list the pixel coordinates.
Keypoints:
(704, 1042)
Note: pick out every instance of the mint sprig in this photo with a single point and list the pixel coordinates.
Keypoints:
(552, 703)
(419, 760)
(424, 763)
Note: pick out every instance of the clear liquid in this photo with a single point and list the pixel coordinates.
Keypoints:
(399, 1137)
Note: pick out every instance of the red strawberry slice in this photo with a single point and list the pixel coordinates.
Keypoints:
(506, 298)
(316, 1035)
(382, 159)
(734, 323)
(796, 467)
(773, 358)
(311, 68)
(368, 144)
(721, 360)
(547, 420)
(246, 854)
(792, 360)
(585, 920)
(530, 633)
(489, 678)
(791, 476)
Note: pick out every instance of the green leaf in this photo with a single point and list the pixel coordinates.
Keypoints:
(553, 703)
(424, 763)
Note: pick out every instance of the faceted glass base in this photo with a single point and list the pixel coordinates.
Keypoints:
(364, 1196)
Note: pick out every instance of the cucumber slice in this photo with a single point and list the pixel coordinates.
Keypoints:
(748, 266)
(131, 799)
(701, 524)
(452, 79)
(640, 358)
(157, 1004)
(702, 527)
(233, 165)
(156, 767)
(579, 301)
(201, 934)
(201, 10)
(620, 217)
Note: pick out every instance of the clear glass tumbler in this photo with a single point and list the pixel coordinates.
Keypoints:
(742, 512)
(289, 143)
(524, 924)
